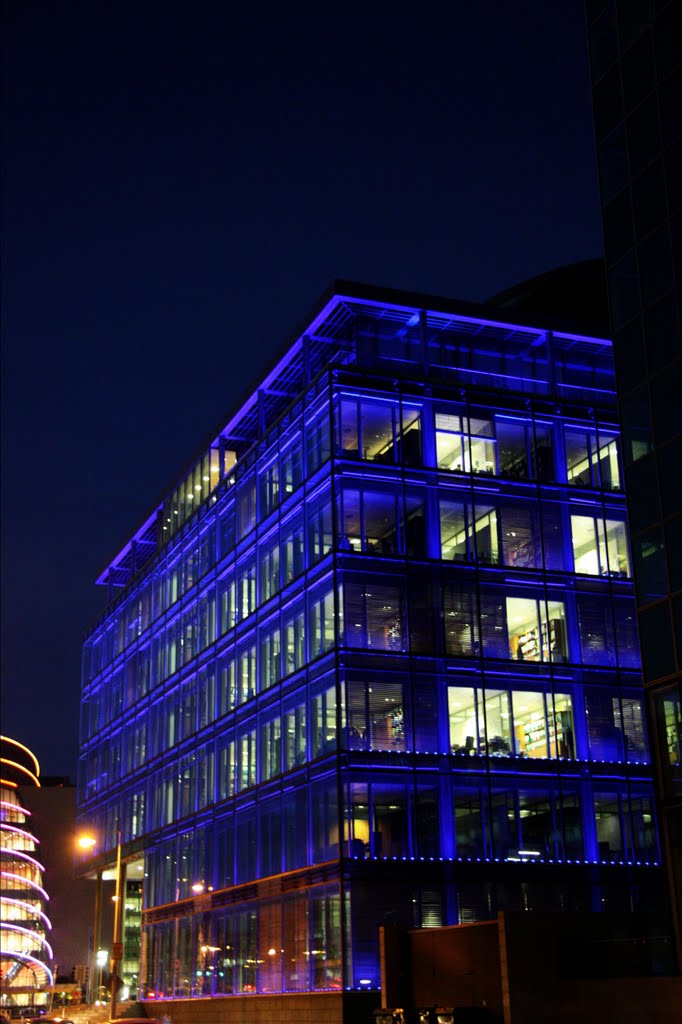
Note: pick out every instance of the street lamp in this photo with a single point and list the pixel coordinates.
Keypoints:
(88, 842)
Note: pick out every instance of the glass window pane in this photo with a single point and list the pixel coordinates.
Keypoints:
(512, 449)
(498, 723)
(377, 431)
(609, 826)
(589, 545)
(617, 548)
(455, 530)
(530, 725)
(411, 440)
(463, 719)
(487, 536)
(524, 629)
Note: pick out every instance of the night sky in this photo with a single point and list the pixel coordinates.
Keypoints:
(181, 181)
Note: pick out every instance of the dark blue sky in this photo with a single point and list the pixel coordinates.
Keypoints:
(180, 183)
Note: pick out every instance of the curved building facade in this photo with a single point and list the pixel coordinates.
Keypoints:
(25, 953)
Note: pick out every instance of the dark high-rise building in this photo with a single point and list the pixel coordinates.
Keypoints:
(374, 658)
(636, 57)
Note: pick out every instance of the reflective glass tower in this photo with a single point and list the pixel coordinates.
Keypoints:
(374, 660)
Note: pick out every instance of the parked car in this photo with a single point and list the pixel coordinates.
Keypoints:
(49, 1019)
(134, 1020)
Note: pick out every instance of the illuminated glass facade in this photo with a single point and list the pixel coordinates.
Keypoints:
(375, 660)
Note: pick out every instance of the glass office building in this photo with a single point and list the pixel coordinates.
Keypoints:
(636, 65)
(374, 660)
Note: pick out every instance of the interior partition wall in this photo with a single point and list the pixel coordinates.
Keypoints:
(385, 669)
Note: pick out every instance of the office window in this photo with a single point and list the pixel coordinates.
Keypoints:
(411, 437)
(375, 715)
(498, 723)
(625, 621)
(467, 728)
(487, 534)
(514, 444)
(246, 587)
(319, 525)
(650, 575)
(609, 825)
(413, 519)
(367, 429)
(270, 654)
(268, 558)
(460, 620)
(643, 827)
(520, 535)
(295, 822)
(508, 534)
(321, 631)
(226, 768)
(227, 602)
(537, 629)
(270, 959)
(270, 747)
(604, 725)
(324, 806)
(452, 449)
(246, 924)
(482, 444)
(456, 530)
(293, 636)
(326, 931)
(628, 716)
(246, 506)
(227, 529)
(595, 629)
(373, 615)
(368, 521)
(668, 712)
(591, 460)
(292, 467)
(295, 732)
(538, 830)
(323, 735)
(226, 692)
(317, 440)
(206, 620)
(296, 955)
(292, 548)
(246, 671)
(599, 548)
(470, 818)
(426, 818)
(543, 725)
(390, 833)
(223, 964)
(246, 766)
(268, 487)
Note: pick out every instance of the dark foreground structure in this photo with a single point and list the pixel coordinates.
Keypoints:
(373, 661)
(529, 969)
(636, 63)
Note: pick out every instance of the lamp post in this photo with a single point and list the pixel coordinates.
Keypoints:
(87, 842)
(117, 951)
